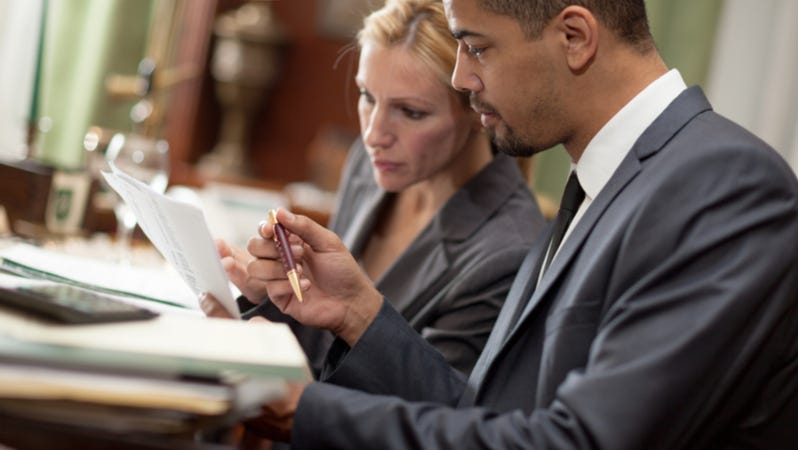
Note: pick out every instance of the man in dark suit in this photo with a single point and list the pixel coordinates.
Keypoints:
(666, 317)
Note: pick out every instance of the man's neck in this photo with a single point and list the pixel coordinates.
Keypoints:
(609, 89)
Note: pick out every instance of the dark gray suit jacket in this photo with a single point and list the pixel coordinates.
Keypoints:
(450, 283)
(668, 320)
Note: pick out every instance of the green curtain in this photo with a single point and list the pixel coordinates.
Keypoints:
(684, 34)
(84, 41)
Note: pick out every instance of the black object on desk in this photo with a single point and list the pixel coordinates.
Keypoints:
(71, 304)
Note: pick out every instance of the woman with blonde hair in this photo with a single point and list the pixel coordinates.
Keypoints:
(436, 219)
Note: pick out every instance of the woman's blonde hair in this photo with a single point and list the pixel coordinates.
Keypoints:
(419, 26)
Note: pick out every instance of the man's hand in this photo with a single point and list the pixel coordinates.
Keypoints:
(277, 417)
(338, 296)
(234, 261)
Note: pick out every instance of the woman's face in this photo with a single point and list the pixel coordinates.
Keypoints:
(413, 124)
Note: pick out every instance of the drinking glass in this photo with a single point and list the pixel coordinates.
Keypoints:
(145, 159)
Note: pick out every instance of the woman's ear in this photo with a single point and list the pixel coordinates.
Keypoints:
(580, 31)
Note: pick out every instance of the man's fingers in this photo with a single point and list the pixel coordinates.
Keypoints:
(315, 235)
(281, 293)
(283, 289)
(262, 248)
(268, 270)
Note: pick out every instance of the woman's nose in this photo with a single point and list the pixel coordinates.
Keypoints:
(378, 132)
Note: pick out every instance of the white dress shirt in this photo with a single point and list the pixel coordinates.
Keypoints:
(609, 146)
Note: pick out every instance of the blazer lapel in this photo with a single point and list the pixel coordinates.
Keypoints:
(527, 294)
(404, 279)
(689, 104)
(521, 291)
(627, 170)
(414, 280)
(414, 272)
(362, 223)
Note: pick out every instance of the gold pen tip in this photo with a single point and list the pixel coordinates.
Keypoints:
(272, 217)
(294, 280)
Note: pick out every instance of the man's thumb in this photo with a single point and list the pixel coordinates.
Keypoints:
(315, 235)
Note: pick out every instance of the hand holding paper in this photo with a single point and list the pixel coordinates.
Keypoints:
(179, 231)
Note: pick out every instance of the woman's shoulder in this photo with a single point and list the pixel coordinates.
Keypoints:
(495, 206)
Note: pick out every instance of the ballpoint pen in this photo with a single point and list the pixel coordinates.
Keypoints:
(285, 251)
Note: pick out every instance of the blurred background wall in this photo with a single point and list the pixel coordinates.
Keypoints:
(67, 65)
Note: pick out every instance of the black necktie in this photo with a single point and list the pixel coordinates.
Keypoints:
(570, 201)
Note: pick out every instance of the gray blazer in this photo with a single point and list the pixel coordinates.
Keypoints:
(450, 283)
(668, 320)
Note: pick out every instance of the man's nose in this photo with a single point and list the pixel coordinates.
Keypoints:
(464, 78)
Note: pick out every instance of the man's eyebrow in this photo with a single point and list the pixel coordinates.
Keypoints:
(461, 34)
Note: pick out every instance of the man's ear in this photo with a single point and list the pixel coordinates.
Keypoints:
(580, 33)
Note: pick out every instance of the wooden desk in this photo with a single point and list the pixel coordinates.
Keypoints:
(23, 433)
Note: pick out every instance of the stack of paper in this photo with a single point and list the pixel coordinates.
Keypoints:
(156, 288)
(160, 375)
(128, 403)
(164, 375)
(172, 344)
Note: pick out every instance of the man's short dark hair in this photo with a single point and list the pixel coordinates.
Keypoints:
(627, 18)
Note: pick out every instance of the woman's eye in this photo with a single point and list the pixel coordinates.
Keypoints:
(366, 96)
(414, 114)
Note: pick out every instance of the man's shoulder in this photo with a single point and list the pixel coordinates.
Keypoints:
(715, 145)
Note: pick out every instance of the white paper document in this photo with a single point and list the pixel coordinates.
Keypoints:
(180, 233)
(158, 287)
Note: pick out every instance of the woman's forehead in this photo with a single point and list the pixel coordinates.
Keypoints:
(397, 69)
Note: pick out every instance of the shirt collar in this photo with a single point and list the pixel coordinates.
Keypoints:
(610, 145)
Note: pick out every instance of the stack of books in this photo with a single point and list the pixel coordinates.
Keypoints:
(173, 375)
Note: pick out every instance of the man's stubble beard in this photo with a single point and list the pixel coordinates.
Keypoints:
(511, 144)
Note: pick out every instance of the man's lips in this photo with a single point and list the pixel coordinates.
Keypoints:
(488, 114)
(487, 118)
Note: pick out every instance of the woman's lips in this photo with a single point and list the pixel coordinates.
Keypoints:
(384, 165)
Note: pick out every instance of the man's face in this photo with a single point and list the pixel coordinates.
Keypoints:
(513, 81)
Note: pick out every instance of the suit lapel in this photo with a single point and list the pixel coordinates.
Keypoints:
(404, 279)
(521, 290)
(363, 221)
(689, 104)
(414, 280)
(526, 292)
(627, 170)
(418, 268)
